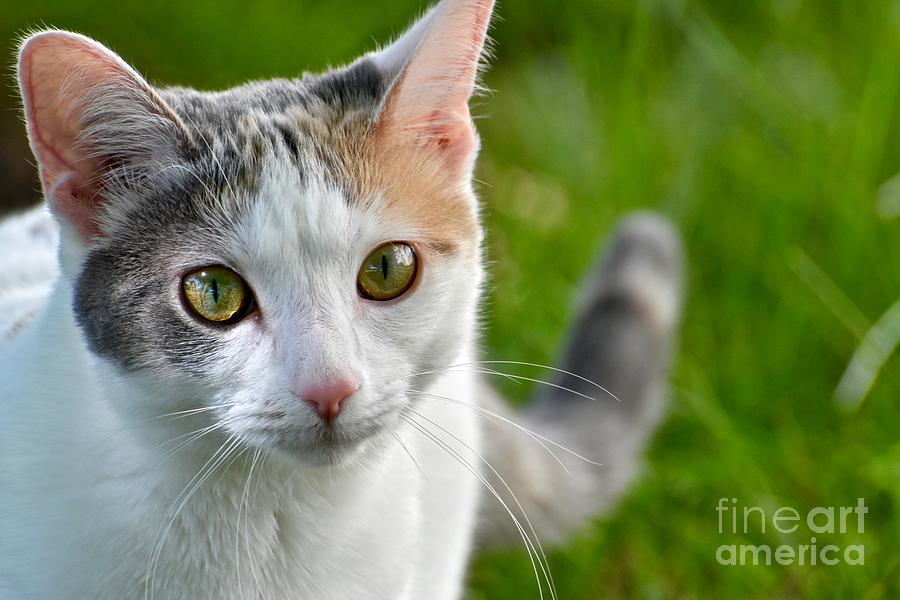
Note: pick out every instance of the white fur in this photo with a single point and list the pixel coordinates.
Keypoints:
(87, 492)
(28, 242)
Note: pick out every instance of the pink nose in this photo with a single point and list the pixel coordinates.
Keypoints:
(328, 399)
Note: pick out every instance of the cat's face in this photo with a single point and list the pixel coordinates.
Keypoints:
(299, 238)
(294, 255)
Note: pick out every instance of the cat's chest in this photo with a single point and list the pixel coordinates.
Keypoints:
(351, 539)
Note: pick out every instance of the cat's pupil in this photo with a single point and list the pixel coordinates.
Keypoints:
(384, 265)
(215, 291)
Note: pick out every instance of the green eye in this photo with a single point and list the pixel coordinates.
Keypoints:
(216, 294)
(387, 272)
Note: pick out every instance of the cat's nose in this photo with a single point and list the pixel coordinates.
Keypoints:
(328, 398)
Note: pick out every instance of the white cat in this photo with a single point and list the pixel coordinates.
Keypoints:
(253, 374)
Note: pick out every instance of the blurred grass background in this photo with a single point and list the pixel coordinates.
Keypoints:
(768, 130)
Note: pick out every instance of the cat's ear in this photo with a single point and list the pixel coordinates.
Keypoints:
(434, 69)
(87, 113)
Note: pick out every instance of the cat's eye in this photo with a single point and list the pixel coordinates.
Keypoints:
(217, 294)
(387, 272)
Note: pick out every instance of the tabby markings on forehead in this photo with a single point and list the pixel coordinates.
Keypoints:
(327, 126)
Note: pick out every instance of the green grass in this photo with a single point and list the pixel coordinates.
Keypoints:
(765, 130)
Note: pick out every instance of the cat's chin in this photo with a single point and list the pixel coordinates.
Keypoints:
(328, 448)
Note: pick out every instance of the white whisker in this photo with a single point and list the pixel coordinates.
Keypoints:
(533, 550)
(411, 457)
(253, 573)
(191, 411)
(237, 525)
(193, 436)
(523, 378)
(202, 475)
(537, 437)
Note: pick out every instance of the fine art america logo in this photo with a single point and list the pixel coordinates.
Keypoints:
(821, 520)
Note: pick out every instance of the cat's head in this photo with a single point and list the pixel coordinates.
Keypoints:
(295, 252)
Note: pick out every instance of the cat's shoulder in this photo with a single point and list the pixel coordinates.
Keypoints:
(28, 266)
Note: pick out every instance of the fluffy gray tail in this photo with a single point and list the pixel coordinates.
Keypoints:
(621, 339)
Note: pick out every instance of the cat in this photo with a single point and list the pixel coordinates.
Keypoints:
(239, 340)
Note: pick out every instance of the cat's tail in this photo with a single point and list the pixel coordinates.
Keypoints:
(621, 340)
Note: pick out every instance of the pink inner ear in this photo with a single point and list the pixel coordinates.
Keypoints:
(454, 138)
(67, 179)
(58, 71)
(75, 203)
(429, 102)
